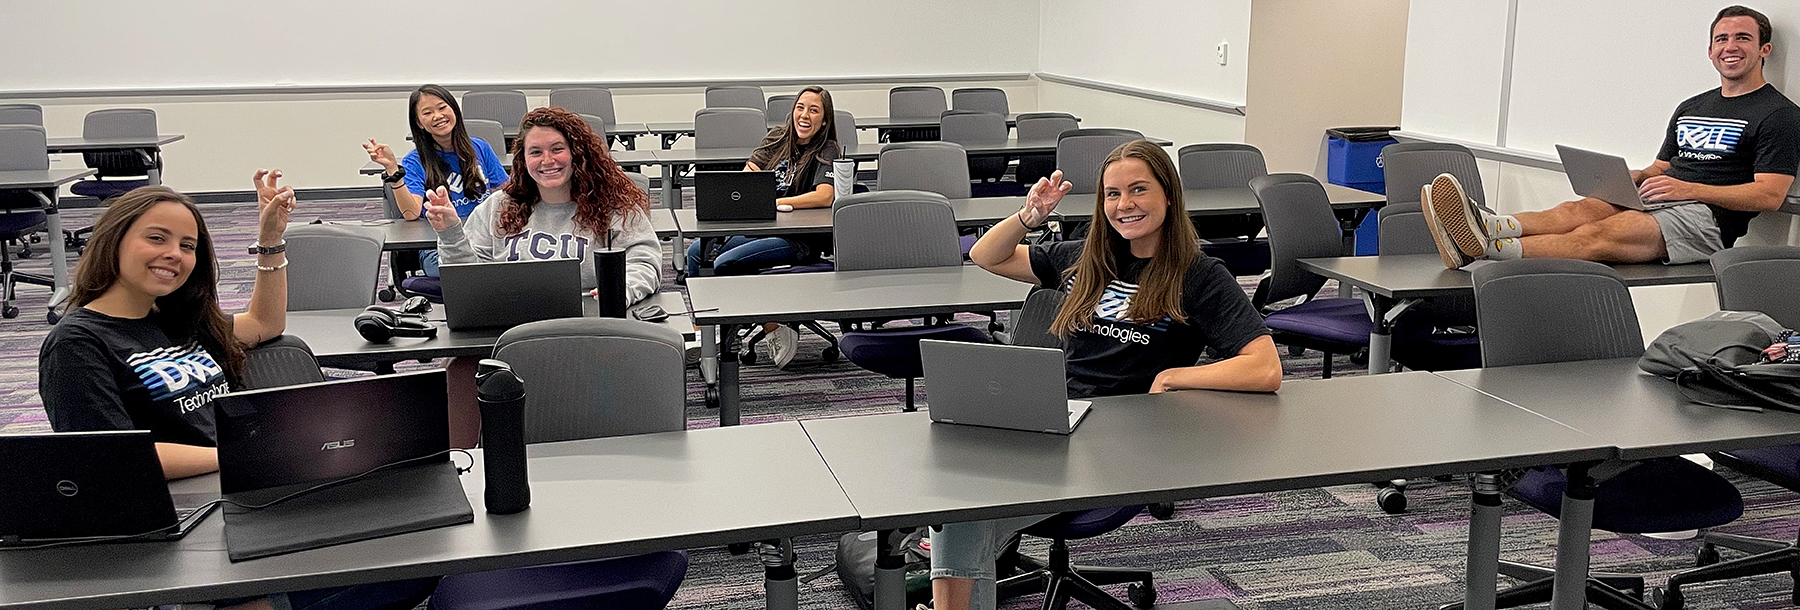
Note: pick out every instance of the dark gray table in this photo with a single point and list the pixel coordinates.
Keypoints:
(1393, 284)
(1642, 415)
(589, 499)
(45, 185)
(726, 303)
(901, 470)
(334, 341)
(147, 146)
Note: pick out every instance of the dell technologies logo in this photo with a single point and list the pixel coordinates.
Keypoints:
(67, 488)
(343, 444)
(736, 195)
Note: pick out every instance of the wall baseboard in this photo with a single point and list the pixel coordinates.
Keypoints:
(1148, 94)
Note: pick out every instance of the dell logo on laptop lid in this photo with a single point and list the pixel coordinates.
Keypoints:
(67, 488)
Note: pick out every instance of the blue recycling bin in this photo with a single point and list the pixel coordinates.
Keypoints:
(1353, 159)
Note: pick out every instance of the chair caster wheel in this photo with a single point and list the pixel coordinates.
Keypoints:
(1707, 555)
(748, 357)
(1667, 599)
(1295, 352)
(738, 548)
(9, 312)
(52, 318)
(1163, 511)
(829, 355)
(994, 327)
(26, 252)
(1392, 501)
(712, 397)
(386, 294)
(1360, 358)
(1141, 594)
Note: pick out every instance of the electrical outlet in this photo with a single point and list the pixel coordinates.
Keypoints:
(1222, 48)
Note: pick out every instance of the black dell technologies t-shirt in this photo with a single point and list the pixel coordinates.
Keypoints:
(1115, 355)
(97, 372)
(1726, 141)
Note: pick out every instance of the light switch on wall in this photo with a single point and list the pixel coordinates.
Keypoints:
(1222, 46)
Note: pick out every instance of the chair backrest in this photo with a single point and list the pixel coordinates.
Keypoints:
(596, 123)
(1411, 165)
(1032, 327)
(1079, 153)
(490, 131)
(1402, 230)
(586, 100)
(972, 126)
(735, 96)
(119, 123)
(23, 147)
(643, 184)
(1760, 278)
(283, 361)
(729, 127)
(596, 377)
(780, 106)
(332, 266)
(21, 114)
(1044, 126)
(506, 106)
(1220, 165)
(984, 99)
(916, 101)
(894, 230)
(1538, 310)
(1301, 225)
(938, 167)
(846, 128)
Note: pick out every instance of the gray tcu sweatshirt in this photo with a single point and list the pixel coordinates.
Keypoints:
(551, 233)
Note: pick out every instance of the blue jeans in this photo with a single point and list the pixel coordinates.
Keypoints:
(379, 595)
(428, 260)
(969, 549)
(744, 255)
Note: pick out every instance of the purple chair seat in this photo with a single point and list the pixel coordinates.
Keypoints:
(1779, 465)
(894, 352)
(1659, 495)
(818, 267)
(1339, 320)
(966, 243)
(1075, 525)
(623, 583)
(105, 189)
(425, 286)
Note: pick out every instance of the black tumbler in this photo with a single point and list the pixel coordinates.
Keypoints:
(609, 269)
(502, 398)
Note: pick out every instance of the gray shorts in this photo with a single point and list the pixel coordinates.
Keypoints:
(1690, 233)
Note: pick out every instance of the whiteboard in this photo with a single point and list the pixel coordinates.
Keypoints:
(1455, 56)
(1160, 45)
(75, 45)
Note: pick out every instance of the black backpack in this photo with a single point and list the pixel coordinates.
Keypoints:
(856, 567)
(1717, 361)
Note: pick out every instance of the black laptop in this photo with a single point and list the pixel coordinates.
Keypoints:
(729, 196)
(377, 444)
(89, 486)
(507, 294)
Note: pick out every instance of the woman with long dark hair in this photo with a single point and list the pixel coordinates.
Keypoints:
(1144, 306)
(442, 149)
(800, 153)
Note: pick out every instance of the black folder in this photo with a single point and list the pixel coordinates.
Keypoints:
(402, 500)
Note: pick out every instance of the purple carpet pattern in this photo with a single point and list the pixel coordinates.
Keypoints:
(1313, 548)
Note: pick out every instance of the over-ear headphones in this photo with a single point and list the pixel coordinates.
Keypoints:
(381, 324)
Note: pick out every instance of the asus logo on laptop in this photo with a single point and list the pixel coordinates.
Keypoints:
(343, 444)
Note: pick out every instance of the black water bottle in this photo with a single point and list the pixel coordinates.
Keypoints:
(609, 270)
(502, 398)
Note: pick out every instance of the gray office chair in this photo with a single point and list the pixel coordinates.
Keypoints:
(586, 100)
(643, 184)
(1040, 127)
(506, 106)
(597, 377)
(984, 99)
(846, 128)
(969, 127)
(490, 131)
(915, 102)
(938, 167)
(1301, 225)
(283, 361)
(596, 123)
(332, 266)
(1554, 310)
(735, 96)
(22, 147)
(729, 127)
(1759, 278)
(117, 172)
(1230, 238)
(1031, 323)
(779, 107)
(1412, 165)
(1080, 151)
(21, 114)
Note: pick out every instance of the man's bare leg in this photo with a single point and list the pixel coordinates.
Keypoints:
(1628, 236)
(1566, 216)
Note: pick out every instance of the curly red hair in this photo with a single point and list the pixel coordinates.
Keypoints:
(599, 187)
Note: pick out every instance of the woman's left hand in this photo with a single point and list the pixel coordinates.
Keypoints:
(1161, 384)
(274, 203)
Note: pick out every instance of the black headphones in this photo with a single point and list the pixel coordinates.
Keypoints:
(381, 324)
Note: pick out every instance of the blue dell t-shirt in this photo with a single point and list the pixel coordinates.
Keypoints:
(491, 170)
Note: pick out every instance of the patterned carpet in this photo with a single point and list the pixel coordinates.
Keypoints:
(1311, 548)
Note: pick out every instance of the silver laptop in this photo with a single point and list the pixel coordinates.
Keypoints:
(999, 386)
(1602, 176)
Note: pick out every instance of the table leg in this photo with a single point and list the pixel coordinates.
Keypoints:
(709, 354)
(1482, 574)
(1383, 311)
(671, 189)
(1569, 591)
(59, 256)
(890, 571)
(781, 585)
(728, 375)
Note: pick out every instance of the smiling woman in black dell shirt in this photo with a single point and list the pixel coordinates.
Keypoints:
(144, 344)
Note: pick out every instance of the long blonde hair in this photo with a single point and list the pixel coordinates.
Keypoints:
(1159, 286)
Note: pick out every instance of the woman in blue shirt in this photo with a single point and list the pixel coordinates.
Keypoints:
(442, 149)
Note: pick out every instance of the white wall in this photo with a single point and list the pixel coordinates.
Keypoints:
(127, 44)
(1160, 45)
(1181, 124)
(1454, 53)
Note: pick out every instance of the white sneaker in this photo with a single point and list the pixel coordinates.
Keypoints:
(784, 342)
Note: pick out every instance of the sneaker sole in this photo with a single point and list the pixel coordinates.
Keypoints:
(1451, 255)
(1455, 213)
